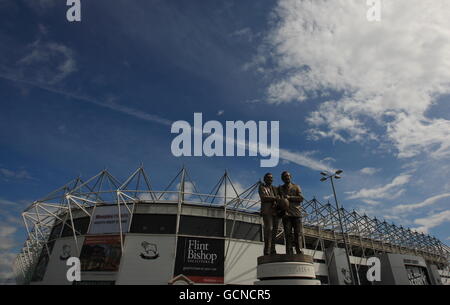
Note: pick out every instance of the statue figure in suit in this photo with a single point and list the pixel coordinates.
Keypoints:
(269, 212)
(290, 199)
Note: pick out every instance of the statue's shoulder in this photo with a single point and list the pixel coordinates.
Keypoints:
(297, 187)
(263, 187)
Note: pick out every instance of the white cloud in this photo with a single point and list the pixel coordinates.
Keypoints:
(145, 197)
(387, 74)
(6, 230)
(189, 189)
(249, 202)
(371, 202)
(393, 217)
(328, 159)
(426, 202)
(46, 63)
(109, 104)
(9, 224)
(245, 33)
(391, 190)
(7, 202)
(6, 236)
(343, 125)
(298, 158)
(327, 197)
(6, 263)
(15, 174)
(432, 221)
(304, 160)
(12, 209)
(370, 171)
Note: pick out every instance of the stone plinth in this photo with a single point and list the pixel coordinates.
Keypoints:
(286, 269)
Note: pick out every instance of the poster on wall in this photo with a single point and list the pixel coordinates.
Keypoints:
(417, 275)
(105, 220)
(200, 259)
(57, 269)
(147, 260)
(101, 253)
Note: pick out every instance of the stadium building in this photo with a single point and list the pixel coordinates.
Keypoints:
(128, 233)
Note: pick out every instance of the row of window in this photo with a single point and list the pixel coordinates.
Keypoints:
(166, 224)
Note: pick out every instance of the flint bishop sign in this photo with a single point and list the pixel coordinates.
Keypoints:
(200, 259)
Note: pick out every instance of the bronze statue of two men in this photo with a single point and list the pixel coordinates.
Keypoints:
(281, 202)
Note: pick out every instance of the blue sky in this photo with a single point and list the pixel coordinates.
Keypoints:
(369, 98)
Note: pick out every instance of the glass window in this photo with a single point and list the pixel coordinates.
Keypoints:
(153, 224)
(244, 230)
(81, 225)
(201, 226)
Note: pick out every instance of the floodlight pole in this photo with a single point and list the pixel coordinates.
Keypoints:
(347, 253)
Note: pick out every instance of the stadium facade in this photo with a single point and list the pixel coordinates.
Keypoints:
(128, 233)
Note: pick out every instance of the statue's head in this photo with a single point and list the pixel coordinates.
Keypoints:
(286, 177)
(268, 178)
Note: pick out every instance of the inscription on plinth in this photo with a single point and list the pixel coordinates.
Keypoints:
(286, 269)
(288, 258)
(282, 269)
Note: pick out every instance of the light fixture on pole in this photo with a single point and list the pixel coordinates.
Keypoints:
(325, 177)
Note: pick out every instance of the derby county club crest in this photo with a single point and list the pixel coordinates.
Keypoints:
(65, 253)
(150, 251)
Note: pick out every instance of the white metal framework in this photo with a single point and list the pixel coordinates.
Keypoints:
(367, 236)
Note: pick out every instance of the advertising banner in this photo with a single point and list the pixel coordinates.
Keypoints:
(200, 259)
(57, 268)
(106, 220)
(338, 269)
(147, 260)
(417, 275)
(101, 253)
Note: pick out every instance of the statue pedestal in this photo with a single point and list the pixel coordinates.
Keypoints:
(286, 269)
